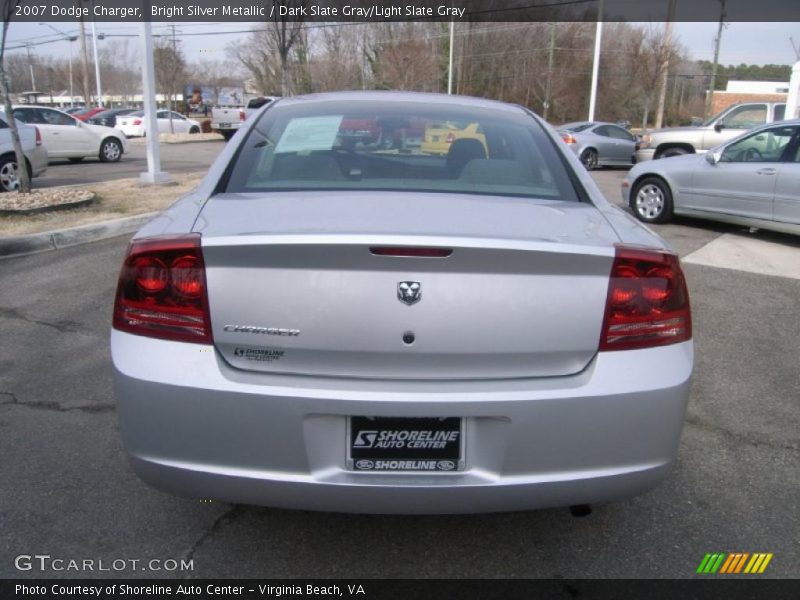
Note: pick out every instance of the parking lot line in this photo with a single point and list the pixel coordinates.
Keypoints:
(742, 253)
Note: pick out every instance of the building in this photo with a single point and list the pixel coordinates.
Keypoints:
(749, 91)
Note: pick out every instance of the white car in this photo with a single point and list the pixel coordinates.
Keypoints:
(64, 136)
(35, 153)
(135, 124)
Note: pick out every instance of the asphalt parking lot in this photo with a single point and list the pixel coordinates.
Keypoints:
(68, 491)
(175, 158)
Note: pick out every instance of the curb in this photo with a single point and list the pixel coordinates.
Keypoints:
(62, 238)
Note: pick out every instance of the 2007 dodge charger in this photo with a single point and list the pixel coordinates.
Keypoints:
(338, 320)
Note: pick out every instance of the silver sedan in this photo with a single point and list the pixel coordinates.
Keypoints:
(753, 180)
(600, 144)
(333, 325)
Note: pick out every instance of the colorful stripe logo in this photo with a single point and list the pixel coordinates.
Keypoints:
(734, 563)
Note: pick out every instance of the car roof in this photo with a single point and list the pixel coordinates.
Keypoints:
(411, 97)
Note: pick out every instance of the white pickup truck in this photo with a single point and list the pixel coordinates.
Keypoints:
(227, 119)
(720, 128)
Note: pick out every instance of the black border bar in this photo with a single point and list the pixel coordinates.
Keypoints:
(398, 10)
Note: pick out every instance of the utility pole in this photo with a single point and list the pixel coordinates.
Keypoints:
(450, 64)
(30, 64)
(550, 57)
(667, 49)
(85, 62)
(598, 38)
(97, 65)
(713, 83)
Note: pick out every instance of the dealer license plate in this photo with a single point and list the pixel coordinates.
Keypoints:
(405, 444)
(224, 125)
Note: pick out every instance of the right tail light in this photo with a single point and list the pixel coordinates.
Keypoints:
(647, 303)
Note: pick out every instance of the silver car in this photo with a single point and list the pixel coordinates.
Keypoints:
(600, 144)
(753, 180)
(32, 147)
(332, 325)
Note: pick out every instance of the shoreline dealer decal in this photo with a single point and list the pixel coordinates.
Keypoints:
(405, 444)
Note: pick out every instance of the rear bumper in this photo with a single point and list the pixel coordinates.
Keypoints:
(198, 428)
(38, 160)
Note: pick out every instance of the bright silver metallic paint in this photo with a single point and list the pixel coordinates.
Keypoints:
(568, 425)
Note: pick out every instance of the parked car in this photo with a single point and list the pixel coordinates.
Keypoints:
(753, 180)
(317, 327)
(726, 125)
(227, 120)
(135, 124)
(440, 137)
(72, 109)
(66, 137)
(85, 114)
(32, 147)
(599, 144)
(108, 118)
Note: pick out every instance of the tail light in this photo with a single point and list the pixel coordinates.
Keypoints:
(38, 136)
(162, 290)
(569, 139)
(241, 115)
(450, 138)
(647, 303)
(137, 122)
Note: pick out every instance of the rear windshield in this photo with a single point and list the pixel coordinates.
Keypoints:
(576, 127)
(400, 146)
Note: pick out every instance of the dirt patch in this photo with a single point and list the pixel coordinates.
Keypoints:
(14, 203)
(113, 200)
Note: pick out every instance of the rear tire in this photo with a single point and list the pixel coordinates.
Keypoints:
(194, 129)
(9, 179)
(227, 135)
(589, 159)
(651, 201)
(110, 150)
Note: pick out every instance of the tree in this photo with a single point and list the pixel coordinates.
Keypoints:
(170, 70)
(24, 185)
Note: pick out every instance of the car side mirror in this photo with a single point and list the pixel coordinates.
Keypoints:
(713, 158)
(718, 126)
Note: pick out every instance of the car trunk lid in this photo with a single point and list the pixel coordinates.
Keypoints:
(298, 283)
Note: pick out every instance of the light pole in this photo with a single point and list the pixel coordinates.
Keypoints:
(70, 39)
(97, 64)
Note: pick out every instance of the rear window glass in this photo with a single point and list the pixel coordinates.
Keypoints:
(400, 146)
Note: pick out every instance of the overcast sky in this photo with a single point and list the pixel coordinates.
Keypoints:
(751, 43)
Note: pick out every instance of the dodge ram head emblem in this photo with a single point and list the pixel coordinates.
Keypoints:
(409, 292)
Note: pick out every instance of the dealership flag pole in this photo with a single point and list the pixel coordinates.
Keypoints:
(598, 37)
(154, 173)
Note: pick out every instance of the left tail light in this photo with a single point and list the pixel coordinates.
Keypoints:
(162, 290)
(569, 139)
(647, 303)
(38, 136)
(241, 115)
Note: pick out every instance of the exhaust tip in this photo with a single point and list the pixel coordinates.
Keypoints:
(580, 510)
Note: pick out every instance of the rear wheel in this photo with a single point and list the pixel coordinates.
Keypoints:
(227, 135)
(589, 158)
(110, 150)
(194, 129)
(651, 201)
(9, 176)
